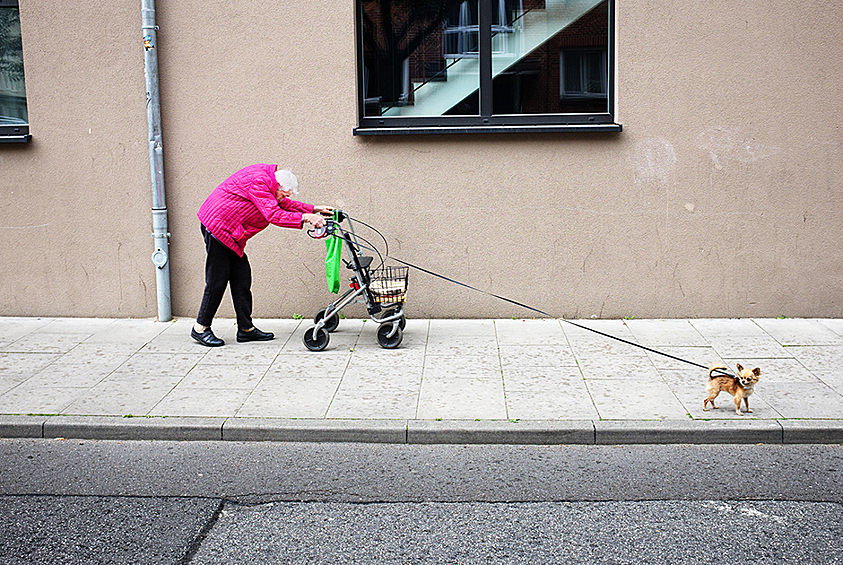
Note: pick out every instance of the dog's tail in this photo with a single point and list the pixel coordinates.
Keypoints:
(717, 370)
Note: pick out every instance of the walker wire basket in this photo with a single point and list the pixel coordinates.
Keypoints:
(389, 285)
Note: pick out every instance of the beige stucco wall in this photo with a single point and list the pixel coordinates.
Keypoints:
(721, 197)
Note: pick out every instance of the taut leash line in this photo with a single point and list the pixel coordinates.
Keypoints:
(543, 313)
(721, 372)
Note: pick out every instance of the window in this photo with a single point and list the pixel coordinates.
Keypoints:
(454, 66)
(14, 120)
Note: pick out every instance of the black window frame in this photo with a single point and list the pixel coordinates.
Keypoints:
(13, 133)
(487, 121)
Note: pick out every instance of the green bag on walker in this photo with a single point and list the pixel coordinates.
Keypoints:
(332, 261)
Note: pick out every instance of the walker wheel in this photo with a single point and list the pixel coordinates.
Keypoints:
(331, 323)
(401, 322)
(316, 342)
(389, 342)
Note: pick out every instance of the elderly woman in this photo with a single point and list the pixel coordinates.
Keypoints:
(238, 209)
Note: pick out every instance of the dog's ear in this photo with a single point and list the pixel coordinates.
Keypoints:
(756, 371)
(740, 367)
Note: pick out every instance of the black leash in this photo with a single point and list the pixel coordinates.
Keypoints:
(722, 372)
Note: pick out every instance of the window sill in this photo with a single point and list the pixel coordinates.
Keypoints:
(424, 130)
(15, 138)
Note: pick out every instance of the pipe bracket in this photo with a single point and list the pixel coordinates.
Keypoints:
(159, 258)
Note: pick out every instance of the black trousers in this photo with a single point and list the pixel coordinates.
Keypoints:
(223, 267)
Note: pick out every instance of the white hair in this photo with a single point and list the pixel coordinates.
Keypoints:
(287, 180)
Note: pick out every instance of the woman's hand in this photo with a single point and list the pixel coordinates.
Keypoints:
(324, 210)
(314, 220)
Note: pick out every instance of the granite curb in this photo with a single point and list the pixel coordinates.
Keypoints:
(560, 432)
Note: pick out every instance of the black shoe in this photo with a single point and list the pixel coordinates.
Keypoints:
(206, 338)
(254, 335)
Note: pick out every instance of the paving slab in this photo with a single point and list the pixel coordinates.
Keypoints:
(88, 326)
(760, 347)
(647, 399)
(329, 366)
(536, 356)
(116, 398)
(155, 365)
(25, 364)
(540, 379)
(819, 358)
(28, 398)
(446, 328)
(58, 343)
(110, 355)
(835, 325)
(602, 347)
(799, 332)
(223, 376)
(661, 333)
(680, 356)
(615, 367)
(568, 402)
(462, 366)
(129, 332)
(469, 398)
(805, 400)
(483, 346)
(9, 382)
(358, 377)
(832, 380)
(200, 402)
(587, 330)
(373, 404)
(530, 332)
(295, 397)
(711, 328)
(13, 328)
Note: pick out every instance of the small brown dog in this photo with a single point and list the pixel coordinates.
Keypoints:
(739, 387)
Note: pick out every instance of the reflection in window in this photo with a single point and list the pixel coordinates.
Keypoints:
(12, 92)
(403, 44)
(527, 78)
(422, 59)
(462, 27)
(584, 81)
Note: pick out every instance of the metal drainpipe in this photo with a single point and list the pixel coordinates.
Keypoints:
(160, 257)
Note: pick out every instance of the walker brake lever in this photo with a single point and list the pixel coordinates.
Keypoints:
(320, 233)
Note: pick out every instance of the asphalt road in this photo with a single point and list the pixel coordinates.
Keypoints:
(528, 533)
(214, 502)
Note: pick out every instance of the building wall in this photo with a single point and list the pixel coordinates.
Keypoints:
(721, 197)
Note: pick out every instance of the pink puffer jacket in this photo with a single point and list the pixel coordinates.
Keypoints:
(244, 204)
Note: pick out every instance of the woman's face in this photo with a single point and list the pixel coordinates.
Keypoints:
(281, 193)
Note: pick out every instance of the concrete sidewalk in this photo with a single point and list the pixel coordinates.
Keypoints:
(451, 381)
